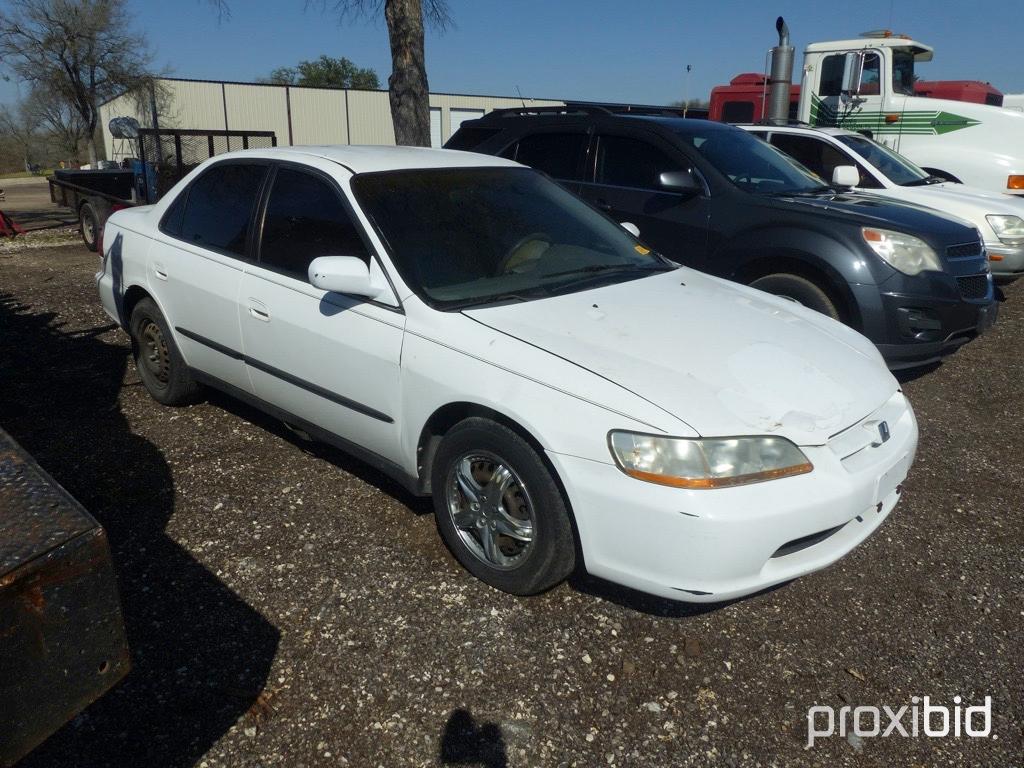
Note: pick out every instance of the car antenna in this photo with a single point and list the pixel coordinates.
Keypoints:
(521, 96)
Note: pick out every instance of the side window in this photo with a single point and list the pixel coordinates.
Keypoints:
(831, 83)
(171, 222)
(870, 80)
(625, 162)
(220, 205)
(557, 154)
(305, 219)
(804, 150)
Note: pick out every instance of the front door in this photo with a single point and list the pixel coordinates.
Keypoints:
(625, 184)
(329, 359)
(861, 111)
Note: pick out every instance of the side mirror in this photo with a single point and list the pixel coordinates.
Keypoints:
(343, 274)
(853, 71)
(680, 182)
(630, 227)
(845, 176)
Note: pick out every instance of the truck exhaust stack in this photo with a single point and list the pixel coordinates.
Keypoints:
(781, 76)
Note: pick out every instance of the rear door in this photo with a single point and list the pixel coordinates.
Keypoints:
(197, 261)
(624, 183)
(330, 359)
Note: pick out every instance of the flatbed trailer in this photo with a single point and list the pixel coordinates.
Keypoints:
(164, 157)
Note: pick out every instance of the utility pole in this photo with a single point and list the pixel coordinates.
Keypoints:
(686, 89)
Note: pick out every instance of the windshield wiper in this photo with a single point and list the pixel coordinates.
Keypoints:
(498, 299)
(595, 268)
(926, 181)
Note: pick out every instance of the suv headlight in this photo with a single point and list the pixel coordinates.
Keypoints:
(717, 462)
(909, 254)
(1009, 229)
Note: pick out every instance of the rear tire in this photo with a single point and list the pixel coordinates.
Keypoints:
(499, 509)
(89, 226)
(799, 289)
(157, 359)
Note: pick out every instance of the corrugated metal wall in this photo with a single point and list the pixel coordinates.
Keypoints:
(297, 115)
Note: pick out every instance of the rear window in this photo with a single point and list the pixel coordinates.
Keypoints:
(470, 137)
(220, 205)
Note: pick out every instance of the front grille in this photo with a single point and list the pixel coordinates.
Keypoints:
(966, 250)
(973, 286)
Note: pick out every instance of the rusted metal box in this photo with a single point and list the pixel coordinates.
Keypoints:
(62, 640)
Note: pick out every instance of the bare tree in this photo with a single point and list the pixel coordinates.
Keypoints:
(80, 51)
(408, 91)
(62, 121)
(21, 126)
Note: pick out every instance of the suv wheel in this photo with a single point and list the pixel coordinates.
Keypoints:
(160, 365)
(499, 510)
(798, 289)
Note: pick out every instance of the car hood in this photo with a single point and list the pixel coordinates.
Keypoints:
(723, 358)
(961, 200)
(885, 212)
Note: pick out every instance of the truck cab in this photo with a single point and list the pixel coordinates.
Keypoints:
(867, 84)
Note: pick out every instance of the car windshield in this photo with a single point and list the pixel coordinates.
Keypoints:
(473, 236)
(750, 163)
(893, 166)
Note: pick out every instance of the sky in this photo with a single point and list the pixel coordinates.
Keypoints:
(600, 50)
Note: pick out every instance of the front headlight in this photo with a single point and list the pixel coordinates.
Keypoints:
(909, 254)
(1009, 229)
(717, 462)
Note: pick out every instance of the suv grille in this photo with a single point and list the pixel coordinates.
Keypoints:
(964, 251)
(973, 286)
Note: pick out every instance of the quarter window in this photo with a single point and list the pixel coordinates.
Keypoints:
(305, 219)
(557, 154)
(625, 162)
(220, 205)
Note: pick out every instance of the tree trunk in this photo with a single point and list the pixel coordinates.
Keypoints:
(408, 92)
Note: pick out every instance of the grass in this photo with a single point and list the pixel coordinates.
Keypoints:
(25, 174)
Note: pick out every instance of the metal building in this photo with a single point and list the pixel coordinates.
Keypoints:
(297, 114)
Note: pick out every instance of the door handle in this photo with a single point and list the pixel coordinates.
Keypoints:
(259, 310)
(160, 271)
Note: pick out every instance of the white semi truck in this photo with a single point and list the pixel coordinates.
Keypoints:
(867, 84)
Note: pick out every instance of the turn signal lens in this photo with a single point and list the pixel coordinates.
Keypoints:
(1015, 181)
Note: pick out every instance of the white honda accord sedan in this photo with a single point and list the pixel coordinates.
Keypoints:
(568, 397)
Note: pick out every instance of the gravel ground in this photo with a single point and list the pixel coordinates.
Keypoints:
(288, 606)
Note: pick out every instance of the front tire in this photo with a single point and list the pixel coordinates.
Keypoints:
(798, 289)
(157, 359)
(499, 509)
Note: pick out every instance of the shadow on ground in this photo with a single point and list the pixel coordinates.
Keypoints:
(464, 742)
(200, 654)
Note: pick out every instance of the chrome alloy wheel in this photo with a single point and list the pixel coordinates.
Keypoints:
(491, 509)
(154, 354)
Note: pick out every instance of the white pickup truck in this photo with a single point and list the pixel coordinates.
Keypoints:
(851, 159)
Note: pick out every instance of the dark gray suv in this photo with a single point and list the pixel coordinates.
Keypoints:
(715, 198)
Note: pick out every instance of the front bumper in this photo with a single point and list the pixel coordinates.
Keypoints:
(917, 320)
(710, 546)
(1005, 260)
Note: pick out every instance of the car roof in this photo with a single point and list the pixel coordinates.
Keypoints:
(370, 158)
(800, 129)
